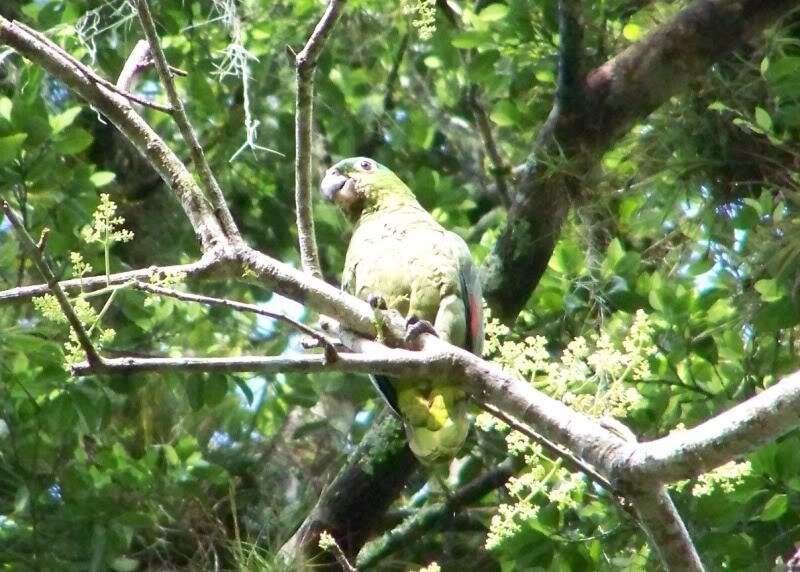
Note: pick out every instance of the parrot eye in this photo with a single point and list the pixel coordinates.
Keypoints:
(366, 165)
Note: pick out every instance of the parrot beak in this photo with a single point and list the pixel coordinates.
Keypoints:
(333, 182)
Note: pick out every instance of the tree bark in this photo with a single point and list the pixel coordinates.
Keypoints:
(617, 94)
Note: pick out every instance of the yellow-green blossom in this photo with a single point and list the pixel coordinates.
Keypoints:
(424, 14)
(105, 227)
(725, 477)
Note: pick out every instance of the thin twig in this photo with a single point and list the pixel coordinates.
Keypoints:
(209, 181)
(40, 50)
(551, 447)
(92, 283)
(52, 282)
(327, 344)
(138, 61)
(428, 517)
(499, 168)
(94, 76)
(305, 65)
(333, 547)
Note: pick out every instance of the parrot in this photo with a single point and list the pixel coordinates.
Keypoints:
(401, 256)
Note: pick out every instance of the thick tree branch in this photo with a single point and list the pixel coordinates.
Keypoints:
(305, 65)
(207, 177)
(45, 53)
(362, 491)
(572, 461)
(390, 362)
(666, 530)
(35, 254)
(616, 95)
(353, 313)
(740, 430)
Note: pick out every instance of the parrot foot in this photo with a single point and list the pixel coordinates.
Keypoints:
(416, 327)
(377, 302)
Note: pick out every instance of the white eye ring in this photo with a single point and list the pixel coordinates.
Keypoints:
(366, 165)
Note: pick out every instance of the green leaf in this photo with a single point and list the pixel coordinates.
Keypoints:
(505, 114)
(73, 141)
(545, 76)
(720, 311)
(245, 389)
(632, 32)
(770, 290)
(432, 62)
(5, 108)
(102, 178)
(21, 499)
(63, 120)
(124, 564)
(493, 13)
(10, 146)
(775, 508)
(763, 119)
(171, 455)
(470, 39)
(567, 259)
(215, 386)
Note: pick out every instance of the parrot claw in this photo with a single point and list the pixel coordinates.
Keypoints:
(416, 327)
(377, 302)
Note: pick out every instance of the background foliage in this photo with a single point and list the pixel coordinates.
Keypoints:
(691, 219)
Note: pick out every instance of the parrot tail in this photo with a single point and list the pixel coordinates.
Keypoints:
(435, 420)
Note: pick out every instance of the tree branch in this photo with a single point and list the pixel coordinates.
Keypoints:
(740, 430)
(66, 307)
(666, 530)
(572, 461)
(207, 177)
(94, 76)
(433, 515)
(616, 95)
(45, 53)
(201, 267)
(367, 484)
(499, 168)
(305, 66)
(325, 342)
(390, 363)
(138, 61)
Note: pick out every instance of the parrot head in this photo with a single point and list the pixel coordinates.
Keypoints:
(358, 185)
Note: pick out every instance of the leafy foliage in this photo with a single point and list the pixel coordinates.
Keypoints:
(692, 223)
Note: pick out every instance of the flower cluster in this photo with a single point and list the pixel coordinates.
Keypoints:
(592, 375)
(105, 227)
(432, 567)
(424, 14)
(326, 540)
(725, 477)
(166, 280)
(80, 267)
(557, 486)
(49, 308)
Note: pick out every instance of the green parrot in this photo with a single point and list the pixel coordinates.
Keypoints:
(400, 255)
